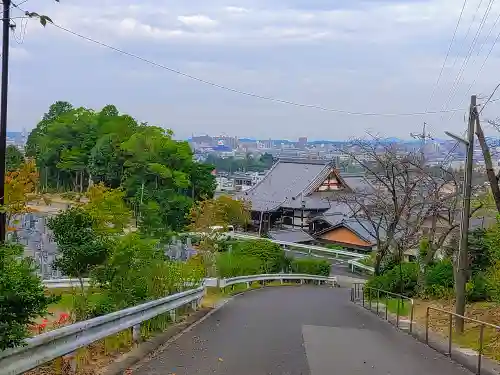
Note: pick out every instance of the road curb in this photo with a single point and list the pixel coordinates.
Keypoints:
(147, 348)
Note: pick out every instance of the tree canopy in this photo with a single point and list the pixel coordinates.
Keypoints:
(75, 148)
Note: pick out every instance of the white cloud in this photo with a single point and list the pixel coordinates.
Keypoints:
(355, 55)
(198, 20)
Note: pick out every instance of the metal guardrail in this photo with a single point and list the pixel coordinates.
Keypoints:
(54, 344)
(356, 264)
(358, 293)
(64, 283)
(73, 283)
(273, 277)
(482, 326)
(301, 246)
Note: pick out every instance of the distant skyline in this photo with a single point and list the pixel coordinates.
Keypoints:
(357, 55)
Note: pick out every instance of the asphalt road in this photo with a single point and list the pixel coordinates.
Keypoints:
(296, 331)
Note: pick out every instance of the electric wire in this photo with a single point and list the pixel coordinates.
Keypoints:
(447, 54)
(456, 83)
(233, 90)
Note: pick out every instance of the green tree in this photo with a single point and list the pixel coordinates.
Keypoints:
(22, 296)
(13, 158)
(107, 209)
(203, 182)
(81, 248)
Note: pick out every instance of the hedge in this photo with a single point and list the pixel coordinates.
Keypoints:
(311, 267)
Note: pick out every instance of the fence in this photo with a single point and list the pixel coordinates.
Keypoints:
(482, 327)
(358, 293)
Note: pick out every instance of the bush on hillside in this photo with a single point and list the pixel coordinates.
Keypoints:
(440, 273)
(232, 265)
(388, 263)
(394, 281)
(22, 296)
(311, 267)
(478, 288)
(271, 255)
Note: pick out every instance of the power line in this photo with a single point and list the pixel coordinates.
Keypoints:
(447, 55)
(489, 99)
(246, 93)
(456, 83)
(487, 57)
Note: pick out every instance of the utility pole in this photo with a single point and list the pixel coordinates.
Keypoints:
(463, 258)
(3, 112)
(424, 136)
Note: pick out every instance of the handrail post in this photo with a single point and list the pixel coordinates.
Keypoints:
(386, 306)
(427, 326)
(480, 354)
(397, 316)
(450, 332)
(411, 315)
(363, 293)
(378, 299)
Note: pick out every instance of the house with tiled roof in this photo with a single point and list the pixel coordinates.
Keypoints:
(295, 191)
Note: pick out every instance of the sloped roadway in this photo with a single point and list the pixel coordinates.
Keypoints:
(296, 331)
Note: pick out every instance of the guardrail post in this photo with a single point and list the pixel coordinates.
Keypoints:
(71, 360)
(301, 281)
(363, 293)
(136, 333)
(194, 305)
(281, 281)
(248, 285)
(172, 315)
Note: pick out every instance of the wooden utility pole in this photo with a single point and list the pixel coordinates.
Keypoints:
(463, 258)
(3, 112)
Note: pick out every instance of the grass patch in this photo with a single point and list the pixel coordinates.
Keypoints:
(488, 312)
(392, 305)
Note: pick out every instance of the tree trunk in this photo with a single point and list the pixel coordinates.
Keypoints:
(378, 261)
(81, 181)
(492, 178)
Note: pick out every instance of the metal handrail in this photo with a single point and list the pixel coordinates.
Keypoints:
(277, 276)
(450, 331)
(357, 288)
(355, 263)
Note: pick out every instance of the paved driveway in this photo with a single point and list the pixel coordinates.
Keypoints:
(296, 331)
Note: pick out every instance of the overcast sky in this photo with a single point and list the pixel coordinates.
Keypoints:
(361, 56)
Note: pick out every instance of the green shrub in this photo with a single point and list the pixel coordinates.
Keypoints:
(271, 255)
(22, 296)
(231, 265)
(440, 273)
(478, 289)
(388, 263)
(311, 267)
(394, 281)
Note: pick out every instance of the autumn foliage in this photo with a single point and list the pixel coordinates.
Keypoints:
(20, 188)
